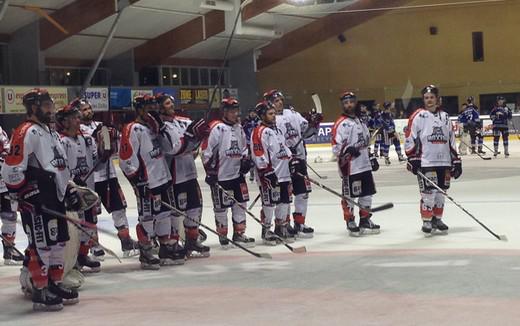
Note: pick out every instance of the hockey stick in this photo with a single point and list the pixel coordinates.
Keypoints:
(499, 237)
(258, 255)
(297, 250)
(254, 202)
(79, 225)
(489, 148)
(350, 200)
(11, 244)
(322, 177)
(478, 154)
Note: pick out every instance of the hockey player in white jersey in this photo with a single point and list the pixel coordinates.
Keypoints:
(271, 157)
(350, 144)
(7, 211)
(295, 127)
(105, 179)
(36, 174)
(81, 153)
(225, 159)
(144, 164)
(180, 150)
(431, 149)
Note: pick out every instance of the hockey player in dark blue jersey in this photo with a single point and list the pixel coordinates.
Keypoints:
(375, 126)
(248, 124)
(500, 116)
(470, 119)
(389, 135)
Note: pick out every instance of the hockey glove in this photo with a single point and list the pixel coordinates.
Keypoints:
(72, 200)
(269, 179)
(414, 164)
(374, 163)
(456, 168)
(245, 166)
(350, 151)
(296, 167)
(211, 180)
(198, 129)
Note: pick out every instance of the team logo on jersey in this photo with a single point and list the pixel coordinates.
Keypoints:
(437, 136)
(290, 131)
(58, 161)
(234, 151)
(81, 167)
(156, 151)
(282, 153)
(362, 140)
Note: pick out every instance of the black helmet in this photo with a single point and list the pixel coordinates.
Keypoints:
(229, 103)
(347, 96)
(430, 89)
(35, 97)
(272, 95)
(262, 107)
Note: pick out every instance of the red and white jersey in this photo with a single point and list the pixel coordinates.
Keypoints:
(292, 125)
(224, 149)
(269, 151)
(101, 172)
(35, 145)
(81, 154)
(5, 145)
(182, 164)
(430, 137)
(350, 131)
(141, 156)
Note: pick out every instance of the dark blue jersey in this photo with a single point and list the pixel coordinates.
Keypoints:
(387, 122)
(249, 124)
(500, 115)
(470, 117)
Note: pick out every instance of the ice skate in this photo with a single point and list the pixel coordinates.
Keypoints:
(281, 231)
(88, 265)
(243, 240)
(11, 256)
(195, 249)
(352, 228)
(147, 259)
(172, 254)
(427, 228)
(366, 226)
(44, 300)
(439, 226)
(69, 296)
(303, 231)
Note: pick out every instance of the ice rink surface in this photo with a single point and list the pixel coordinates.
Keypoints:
(398, 277)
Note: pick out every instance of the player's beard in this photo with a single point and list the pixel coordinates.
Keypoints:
(45, 118)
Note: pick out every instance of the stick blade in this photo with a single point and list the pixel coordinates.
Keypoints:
(317, 102)
(264, 255)
(299, 250)
(486, 158)
(503, 238)
(382, 207)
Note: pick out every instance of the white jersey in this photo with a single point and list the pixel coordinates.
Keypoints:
(292, 125)
(182, 164)
(269, 151)
(101, 171)
(346, 132)
(430, 136)
(81, 154)
(224, 149)
(5, 145)
(141, 157)
(35, 145)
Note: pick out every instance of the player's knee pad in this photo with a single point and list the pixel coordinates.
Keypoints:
(194, 215)
(162, 226)
(267, 214)
(427, 204)
(8, 223)
(281, 212)
(221, 220)
(365, 201)
(238, 214)
(301, 203)
(120, 219)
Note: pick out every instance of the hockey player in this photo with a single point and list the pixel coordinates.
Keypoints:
(430, 147)
(37, 175)
(105, 178)
(350, 141)
(472, 124)
(7, 212)
(389, 135)
(81, 153)
(295, 129)
(248, 124)
(271, 157)
(144, 164)
(500, 116)
(375, 125)
(226, 160)
(180, 154)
